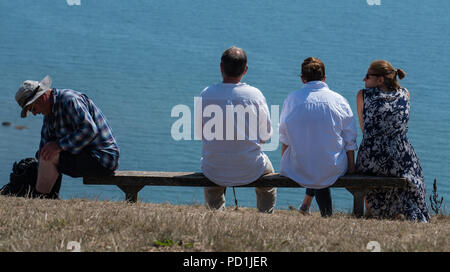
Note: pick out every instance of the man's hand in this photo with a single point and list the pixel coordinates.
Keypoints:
(50, 151)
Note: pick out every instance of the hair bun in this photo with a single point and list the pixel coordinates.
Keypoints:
(400, 73)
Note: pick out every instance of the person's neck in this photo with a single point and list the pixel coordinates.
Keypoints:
(233, 80)
(384, 89)
(50, 101)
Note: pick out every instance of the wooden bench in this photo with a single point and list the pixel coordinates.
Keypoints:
(131, 182)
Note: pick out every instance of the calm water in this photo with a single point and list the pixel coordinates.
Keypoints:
(138, 59)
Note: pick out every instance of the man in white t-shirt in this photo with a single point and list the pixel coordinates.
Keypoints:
(235, 122)
(318, 135)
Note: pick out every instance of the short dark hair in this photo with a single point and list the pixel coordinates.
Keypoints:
(313, 69)
(234, 61)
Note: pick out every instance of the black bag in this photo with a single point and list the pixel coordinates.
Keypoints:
(22, 180)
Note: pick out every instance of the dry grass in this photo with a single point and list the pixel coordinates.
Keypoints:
(49, 225)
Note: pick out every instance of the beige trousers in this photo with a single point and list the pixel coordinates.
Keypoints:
(265, 196)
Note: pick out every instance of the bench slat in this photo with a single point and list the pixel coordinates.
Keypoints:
(131, 182)
(199, 180)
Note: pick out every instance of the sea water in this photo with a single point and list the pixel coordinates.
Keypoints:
(138, 59)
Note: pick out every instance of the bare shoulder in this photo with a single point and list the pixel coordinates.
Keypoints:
(359, 96)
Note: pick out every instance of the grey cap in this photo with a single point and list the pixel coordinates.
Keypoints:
(30, 91)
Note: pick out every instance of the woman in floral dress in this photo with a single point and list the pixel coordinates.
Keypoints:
(383, 111)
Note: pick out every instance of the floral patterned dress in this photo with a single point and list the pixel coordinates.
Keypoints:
(386, 151)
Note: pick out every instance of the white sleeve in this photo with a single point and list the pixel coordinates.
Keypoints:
(282, 126)
(265, 125)
(349, 129)
(198, 118)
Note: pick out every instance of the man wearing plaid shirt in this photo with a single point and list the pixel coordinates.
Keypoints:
(76, 139)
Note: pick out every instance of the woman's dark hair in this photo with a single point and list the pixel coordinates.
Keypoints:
(313, 69)
(234, 61)
(390, 74)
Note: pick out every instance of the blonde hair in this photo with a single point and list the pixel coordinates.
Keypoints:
(385, 69)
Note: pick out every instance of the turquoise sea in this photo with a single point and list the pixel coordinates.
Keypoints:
(138, 59)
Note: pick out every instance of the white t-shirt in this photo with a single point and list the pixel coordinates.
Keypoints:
(235, 122)
(318, 126)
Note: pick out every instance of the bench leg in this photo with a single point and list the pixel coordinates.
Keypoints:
(358, 201)
(131, 192)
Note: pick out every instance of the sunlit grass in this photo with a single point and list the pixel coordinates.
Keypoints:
(49, 225)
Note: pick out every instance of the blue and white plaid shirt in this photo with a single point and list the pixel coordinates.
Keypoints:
(76, 123)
